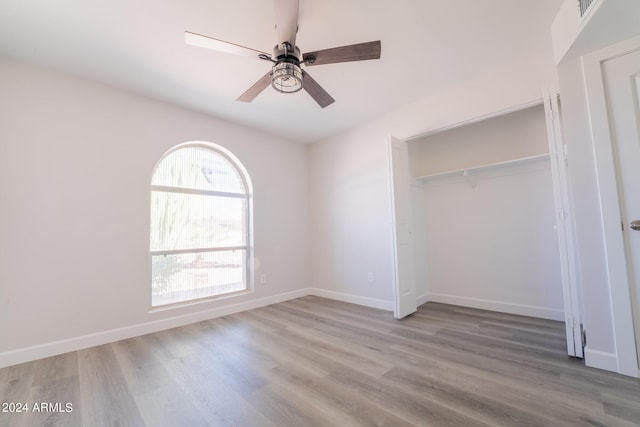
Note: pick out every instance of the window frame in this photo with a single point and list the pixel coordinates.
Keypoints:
(247, 196)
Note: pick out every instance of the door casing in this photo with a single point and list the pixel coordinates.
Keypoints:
(617, 269)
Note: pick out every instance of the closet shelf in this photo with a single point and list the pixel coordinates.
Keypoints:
(466, 171)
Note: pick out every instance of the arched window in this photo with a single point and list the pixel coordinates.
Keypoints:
(200, 236)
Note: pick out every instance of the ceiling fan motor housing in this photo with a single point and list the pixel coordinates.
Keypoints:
(286, 75)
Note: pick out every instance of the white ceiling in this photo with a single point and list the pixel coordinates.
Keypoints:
(139, 45)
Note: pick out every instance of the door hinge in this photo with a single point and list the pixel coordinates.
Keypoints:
(570, 322)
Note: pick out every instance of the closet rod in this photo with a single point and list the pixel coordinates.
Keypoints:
(512, 162)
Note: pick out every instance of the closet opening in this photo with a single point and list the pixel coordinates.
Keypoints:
(489, 217)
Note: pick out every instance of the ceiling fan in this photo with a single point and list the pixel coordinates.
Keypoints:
(286, 75)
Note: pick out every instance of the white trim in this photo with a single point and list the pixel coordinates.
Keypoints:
(422, 299)
(600, 360)
(618, 279)
(40, 351)
(27, 354)
(199, 250)
(198, 192)
(353, 299)
(500, 306)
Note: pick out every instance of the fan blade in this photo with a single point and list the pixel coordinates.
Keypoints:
(316, 91)
(256, 89)
(354, 52)
(199, 40)
(286, 20)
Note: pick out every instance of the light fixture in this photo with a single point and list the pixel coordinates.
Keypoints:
(286, 77)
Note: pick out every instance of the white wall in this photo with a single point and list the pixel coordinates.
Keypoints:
(493, 245)
(350, 201)
(75, 165)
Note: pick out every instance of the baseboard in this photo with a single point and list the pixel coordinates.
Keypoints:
(422, 299)
(40, 351)
(521, 309)
(600, 360)
(353, 299)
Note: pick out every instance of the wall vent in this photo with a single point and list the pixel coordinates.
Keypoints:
(584, 6)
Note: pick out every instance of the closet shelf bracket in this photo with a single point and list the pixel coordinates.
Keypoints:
(470, 179)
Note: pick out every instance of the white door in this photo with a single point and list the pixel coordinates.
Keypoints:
(622, 87)
(564, 227)
(404, 275)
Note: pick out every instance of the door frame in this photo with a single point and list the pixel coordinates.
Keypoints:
(562, 206)
(606, 173)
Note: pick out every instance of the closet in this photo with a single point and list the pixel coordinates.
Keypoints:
(484, 216)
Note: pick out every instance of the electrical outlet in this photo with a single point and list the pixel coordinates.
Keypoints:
(263, 278)
(370, 277)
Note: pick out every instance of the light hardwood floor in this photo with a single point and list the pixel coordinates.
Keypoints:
(318, 362)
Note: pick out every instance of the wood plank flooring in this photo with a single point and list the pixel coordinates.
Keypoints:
(318, 362)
